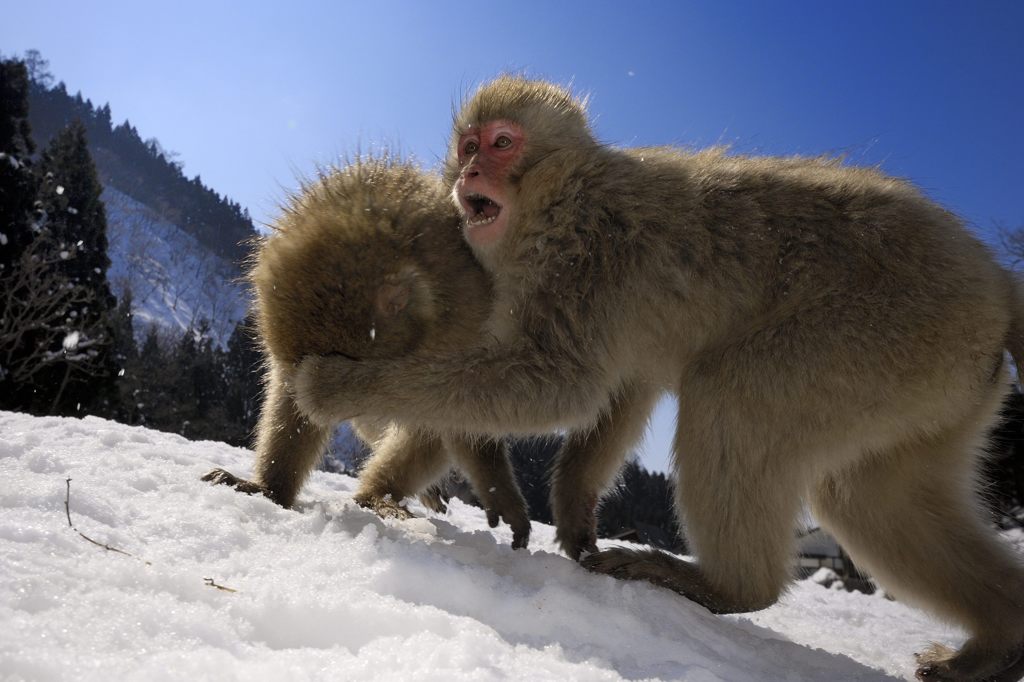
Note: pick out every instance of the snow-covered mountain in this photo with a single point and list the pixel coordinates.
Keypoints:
(329, 591)
(175, 280)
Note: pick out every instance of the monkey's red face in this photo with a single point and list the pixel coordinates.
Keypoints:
(486, 154)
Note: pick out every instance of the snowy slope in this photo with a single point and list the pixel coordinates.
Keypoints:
(331, 592)
(175, 280)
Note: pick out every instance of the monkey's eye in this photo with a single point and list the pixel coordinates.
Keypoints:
(503, 142)
(471, 147)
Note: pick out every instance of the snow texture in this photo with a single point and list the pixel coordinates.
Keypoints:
(175, 280)
(329, 591)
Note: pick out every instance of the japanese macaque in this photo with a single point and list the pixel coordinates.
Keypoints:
(831, 334)
(368, 263)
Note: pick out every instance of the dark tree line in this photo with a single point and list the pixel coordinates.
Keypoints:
(1004, 470)
(188, 385)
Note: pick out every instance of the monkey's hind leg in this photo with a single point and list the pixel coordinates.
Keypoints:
(738, 501)
(485, 463)
(587, 464)
(405, 461)
(910, 517)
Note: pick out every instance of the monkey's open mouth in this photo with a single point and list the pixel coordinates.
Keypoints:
(480, 209)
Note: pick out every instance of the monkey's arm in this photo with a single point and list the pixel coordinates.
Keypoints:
(486, 465)
(288, 447)
(515, 389)
(588, 462)
(408, 460)
(405, 461)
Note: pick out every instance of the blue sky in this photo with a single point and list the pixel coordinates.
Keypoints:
(253, 95)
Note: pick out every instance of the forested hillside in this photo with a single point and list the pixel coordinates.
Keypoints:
(140, 168)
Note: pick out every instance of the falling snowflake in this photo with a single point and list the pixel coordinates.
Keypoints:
(71, 341)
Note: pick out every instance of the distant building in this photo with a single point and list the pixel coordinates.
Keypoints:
(818, 549)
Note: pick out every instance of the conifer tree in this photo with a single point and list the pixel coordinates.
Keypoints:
(17, 228)
(17, 181)
(70, 194)
(242, 384)
(149, 383)
(74, 219)
(54, 331)
(125, 356)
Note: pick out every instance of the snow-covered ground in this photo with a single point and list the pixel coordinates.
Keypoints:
(331, 592)
(175, 280)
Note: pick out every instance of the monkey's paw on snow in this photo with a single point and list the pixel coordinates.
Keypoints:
(435, 499)
(942, 664)
(385, 507)
(661, 569)
(222, 477)
(517, 520)
(576, 527)
(579, 543)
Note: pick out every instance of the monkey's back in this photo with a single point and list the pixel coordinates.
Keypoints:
(853, 285)
(835, 273)
(863, 251)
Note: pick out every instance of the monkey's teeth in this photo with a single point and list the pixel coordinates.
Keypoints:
(481, 206)
(482, 221)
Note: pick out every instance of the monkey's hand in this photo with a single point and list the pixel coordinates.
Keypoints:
(222, 477)
(435, 498)
(576, 524)
(515, 515)
(325, 387)
(383, 506)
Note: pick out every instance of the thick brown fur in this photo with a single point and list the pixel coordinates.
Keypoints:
(367, 262)
(832, 336)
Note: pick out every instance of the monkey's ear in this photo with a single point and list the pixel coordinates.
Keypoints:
(393, 297)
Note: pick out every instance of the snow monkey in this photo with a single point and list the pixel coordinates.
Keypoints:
(367, 262)
(831, 334)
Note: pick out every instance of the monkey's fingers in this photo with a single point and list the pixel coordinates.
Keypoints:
(517, 518)
(938, 663)
(385, 507)
(582, 542)
(520, 534)
(223, 477)
(931, 661)
(220, 477)
(433, 499)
